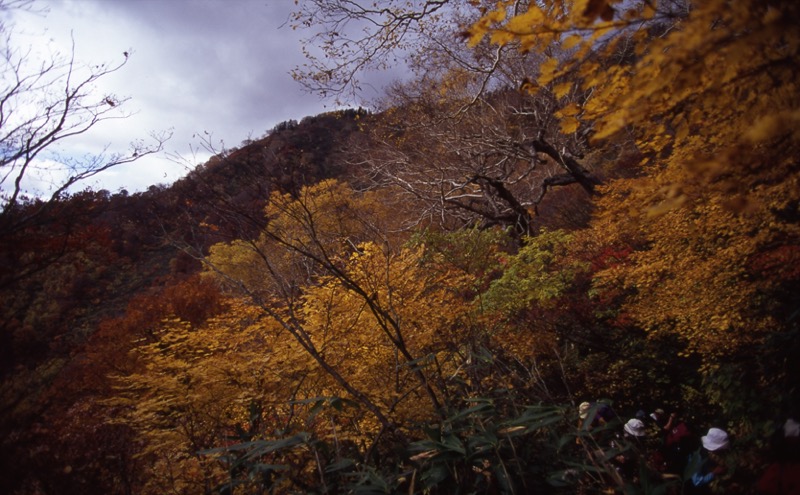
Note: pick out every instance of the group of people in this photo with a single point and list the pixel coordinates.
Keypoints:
(673, 450)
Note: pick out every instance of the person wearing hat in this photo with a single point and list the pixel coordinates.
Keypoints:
(706, 465)
(677, 445)
(634, 432)
(782, 476)
(583, 410)
(635, 428)
(663, 422)
(601, 414)
(593, 415)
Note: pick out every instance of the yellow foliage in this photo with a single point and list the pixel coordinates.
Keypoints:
(485, 23)
(571, 41)
(196, 385)
(561, 90)
(571, 110)
(714, 107)
(356, 309)
(361, 342)
(547, 71)
(569, 125)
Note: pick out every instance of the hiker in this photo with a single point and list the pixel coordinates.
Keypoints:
(603, 414)
(706, 465)
(782, 476)
(634, 434)
(678, 444)
(634, 429)
(662, 421)
(584, 409)
(583, 412)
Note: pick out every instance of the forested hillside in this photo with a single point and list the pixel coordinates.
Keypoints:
(575, 216)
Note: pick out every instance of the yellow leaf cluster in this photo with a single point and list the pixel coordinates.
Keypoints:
(714, 107)
(361, 342)
(196, 384)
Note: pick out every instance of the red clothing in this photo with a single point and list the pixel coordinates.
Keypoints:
(780, 478)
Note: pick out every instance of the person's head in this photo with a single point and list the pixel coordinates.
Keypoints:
(658, 415)
(715, 440)
(583, 410)
(791, 429)
(786, 441)
(635, 428)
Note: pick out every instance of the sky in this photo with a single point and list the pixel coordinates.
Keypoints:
(208, 68)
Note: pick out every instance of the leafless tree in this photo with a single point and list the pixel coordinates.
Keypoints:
(462, 137)
(492, 164)
(42, 104)
(353, 36)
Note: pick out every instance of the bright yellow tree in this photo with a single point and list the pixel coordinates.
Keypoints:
(374, 315)
(709, 93)
(195, 389)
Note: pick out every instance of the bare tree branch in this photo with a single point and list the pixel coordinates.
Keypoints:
(45, 103)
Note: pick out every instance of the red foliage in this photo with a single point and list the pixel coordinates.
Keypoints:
(780, 264)
(609, 257)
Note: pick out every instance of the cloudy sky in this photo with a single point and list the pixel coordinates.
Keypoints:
(196, 66)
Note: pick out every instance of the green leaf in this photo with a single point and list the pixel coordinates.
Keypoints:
(483, 408)
(340, 465)
(452, 443)
(434, 475)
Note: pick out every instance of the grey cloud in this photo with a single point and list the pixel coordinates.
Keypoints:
(197, 65)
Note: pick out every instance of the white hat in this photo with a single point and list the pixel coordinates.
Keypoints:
(791, 428)
(715, 439)
(583, 410)
(635, 427)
